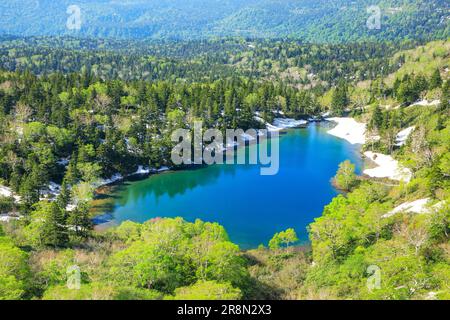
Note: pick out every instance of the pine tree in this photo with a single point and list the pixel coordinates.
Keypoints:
(80, 224)
(445, 99)
(340, 99)
(436, 80)
(377, 118)
(72, 175)
(64, 197)
(55, 230)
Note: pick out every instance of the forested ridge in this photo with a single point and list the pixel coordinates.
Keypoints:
(315, 21)
(76, 111)
(302, 64)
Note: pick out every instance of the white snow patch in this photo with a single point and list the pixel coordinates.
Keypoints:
(349, 129)
(247, 137)
(7, 192)
(105, 182)
(259, 119)
(8, 218)
(425, 103)
(387, 168)
(417, 206)
(63, 162)
(51, 191)
(284, 123)
(402, 136)
(142, 170)
(71, 207)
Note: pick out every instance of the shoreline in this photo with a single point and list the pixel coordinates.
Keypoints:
(106, 190)
(142, 173)
(279, 125)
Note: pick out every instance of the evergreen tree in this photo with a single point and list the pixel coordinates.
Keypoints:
(340, 99)
(55, 229)
(376, 121)
(64, 197)
(80, 224)
(436, 80)
(445, 99)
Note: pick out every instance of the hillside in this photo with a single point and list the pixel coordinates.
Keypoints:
(307, 20)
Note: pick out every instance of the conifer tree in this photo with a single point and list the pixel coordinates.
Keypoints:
(80, 224)
(55, 229)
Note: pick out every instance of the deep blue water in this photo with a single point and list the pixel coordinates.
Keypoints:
(251, 207)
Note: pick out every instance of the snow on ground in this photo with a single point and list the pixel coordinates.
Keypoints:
(104, 182)
(387, 168)
(349, 129)
(63, 162)
(247, 137)
(281, 124)
(71, 207)
(142, 170)
(51, 191)
(425, 103)
(8, 218)
(402, 136)
(5, 192)
(146, 170)
(417, 206)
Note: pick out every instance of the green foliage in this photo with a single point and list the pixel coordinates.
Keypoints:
(10, 288)
(340, 100)
(208, 290)
(6, 204)
(436, 80)
(92, 291)
(14, 270)
(346, 178)
(54, 231)
(312, 21)
(283, 239)
(79, 222)
(171, 253)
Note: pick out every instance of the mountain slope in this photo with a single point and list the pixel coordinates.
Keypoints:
(309, 20)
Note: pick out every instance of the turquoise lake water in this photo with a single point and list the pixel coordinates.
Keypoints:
(251, 207)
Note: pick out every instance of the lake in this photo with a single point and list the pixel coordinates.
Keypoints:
(251, 207)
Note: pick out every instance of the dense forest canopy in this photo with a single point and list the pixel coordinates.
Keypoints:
(299, 64)
(307, 20)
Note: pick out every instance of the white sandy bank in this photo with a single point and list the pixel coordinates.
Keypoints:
(349, 129)
(387, 167)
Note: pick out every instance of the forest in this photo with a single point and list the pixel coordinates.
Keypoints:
(316, 21)
(75, 112)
